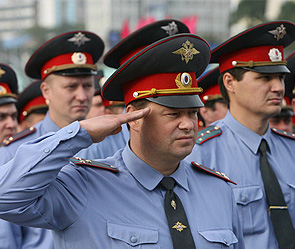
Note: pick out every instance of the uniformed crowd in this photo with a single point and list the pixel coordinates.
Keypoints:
(159, 154)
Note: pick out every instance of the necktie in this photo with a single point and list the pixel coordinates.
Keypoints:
(278, 209)
(177, 220)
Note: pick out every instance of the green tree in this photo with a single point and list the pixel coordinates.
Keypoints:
(287, 11)
(250, 10)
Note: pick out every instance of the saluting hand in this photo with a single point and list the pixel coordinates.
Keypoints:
(102, 126)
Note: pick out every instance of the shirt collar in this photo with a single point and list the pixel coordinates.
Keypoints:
(48, 124)
(147, 176)
(251, 139)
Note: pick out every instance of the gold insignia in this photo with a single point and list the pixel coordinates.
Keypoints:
(3, 90)
(79, 58)
(184, 80)
(2, 72)
(79, 39)
(187, 52)
(279, 32)
(179, 226)
(173, 204)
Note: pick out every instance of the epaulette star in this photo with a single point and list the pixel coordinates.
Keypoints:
(86, 162)
(283, 133)
(18, 136)
(212, 172)
(208, 133)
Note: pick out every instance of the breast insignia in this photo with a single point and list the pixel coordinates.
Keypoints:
(18, 136)
(85, 162)
(283, 133)
(213, 172)
(208, 133)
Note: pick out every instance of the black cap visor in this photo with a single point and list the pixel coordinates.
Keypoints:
(178, 101)
(76, 72)
(7, 100)
(269, 69)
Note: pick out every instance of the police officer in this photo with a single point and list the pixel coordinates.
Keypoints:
(8, 96)
(66, 66)
(31, 105)
(121, 52)
(215, 107)
(283, 121)
(123, 201)
(252, 68)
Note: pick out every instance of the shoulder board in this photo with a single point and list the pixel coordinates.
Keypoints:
(213, 172)
(208, 133)
(283, 133)
(85, 162)
(18, 136)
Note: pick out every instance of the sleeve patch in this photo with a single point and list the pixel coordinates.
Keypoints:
(283, 133)
(85, 162)
(18, 136)
(213, 172)
(208, 133)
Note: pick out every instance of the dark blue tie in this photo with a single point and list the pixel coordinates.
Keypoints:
(177, 220)
(278, 209)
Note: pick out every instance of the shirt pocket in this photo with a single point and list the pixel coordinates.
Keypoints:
(251, 208)
(218, 238)
(128, 236)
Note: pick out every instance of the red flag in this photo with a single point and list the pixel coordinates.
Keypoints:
(125, 31)
(144, 21)
(191, 22)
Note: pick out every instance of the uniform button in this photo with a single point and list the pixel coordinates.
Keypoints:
(46, 150)
(133, 239)
(244, 199)
(69, 131)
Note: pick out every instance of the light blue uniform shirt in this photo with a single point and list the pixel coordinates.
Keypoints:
(14, 236)
(235, 153)
(89, 207)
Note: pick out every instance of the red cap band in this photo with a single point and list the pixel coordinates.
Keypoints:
(69, 60)
(4, 88)
(255, 54)
(32, 105)
(158, 85)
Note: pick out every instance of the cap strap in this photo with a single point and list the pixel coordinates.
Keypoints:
(154, 91)
(69, 66)
(257, 63)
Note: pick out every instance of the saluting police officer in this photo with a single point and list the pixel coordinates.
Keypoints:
(243, 146)
(145, 195)
(117, 55)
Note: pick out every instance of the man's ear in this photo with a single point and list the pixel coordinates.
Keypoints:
(229, 82)
(45, 89)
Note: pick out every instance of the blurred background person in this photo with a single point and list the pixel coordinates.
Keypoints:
(31, 106)
(215, 107)
(8, 99)
(97, 108)
(283, 121)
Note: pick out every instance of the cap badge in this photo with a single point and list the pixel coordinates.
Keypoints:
(184, 80)
(79, 39)
(187, 52)
(171, 28)
(2, 72)
(78, 58)
(3, 90)
(275, 54)
(279, 32)
(179, 226)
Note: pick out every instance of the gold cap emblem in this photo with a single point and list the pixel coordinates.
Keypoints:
(187, 51)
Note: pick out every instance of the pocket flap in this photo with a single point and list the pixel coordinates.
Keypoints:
(248, 194)
(223, 236)
(132, 235)
(291, 185)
